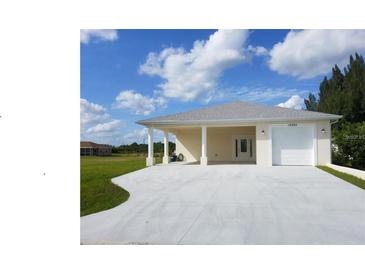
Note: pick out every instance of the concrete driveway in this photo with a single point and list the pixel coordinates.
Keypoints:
(231, 204)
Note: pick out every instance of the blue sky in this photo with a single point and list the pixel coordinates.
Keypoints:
(128, 75)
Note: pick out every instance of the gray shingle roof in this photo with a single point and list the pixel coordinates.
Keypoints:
(236, 112)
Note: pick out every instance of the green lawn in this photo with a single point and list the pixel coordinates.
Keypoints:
(344, 176)
(98, 193)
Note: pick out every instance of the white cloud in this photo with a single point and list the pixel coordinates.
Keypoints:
(309, 53)
(258, 51)
(262, 94)
(138, 103)
(140, 136)
(190, 74)
(295, 102)
(98, 34)
(92, 114)
(97, 125)
(137, 135)
(104, 127)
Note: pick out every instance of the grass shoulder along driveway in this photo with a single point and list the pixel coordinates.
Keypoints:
(344, 176)
(98, 193)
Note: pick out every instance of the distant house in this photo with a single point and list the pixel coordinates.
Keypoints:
(90, 148)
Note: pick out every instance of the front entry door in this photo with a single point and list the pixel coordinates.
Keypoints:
(242, 148)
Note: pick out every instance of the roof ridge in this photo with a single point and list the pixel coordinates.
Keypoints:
(240, 110)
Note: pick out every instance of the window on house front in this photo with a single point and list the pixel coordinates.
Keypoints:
(243, 145)
(250, 147)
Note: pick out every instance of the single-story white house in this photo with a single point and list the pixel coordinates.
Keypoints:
(246, 133)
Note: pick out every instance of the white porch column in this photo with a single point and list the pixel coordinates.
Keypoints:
(203, 158)
(166, 159)
(150, 160)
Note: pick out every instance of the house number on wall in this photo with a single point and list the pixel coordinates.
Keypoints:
(292, 125)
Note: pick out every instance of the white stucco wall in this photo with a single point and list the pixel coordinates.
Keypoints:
(323, 143)
(188, 142)
(219, 142)
(263, 149)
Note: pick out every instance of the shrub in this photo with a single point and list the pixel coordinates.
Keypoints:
(349, 145)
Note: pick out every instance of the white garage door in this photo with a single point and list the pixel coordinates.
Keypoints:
(292, 145)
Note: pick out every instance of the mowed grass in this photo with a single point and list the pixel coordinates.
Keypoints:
(344, 176)
(98, 193)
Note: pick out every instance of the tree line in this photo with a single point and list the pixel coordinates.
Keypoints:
(136, 148)
(344, 94)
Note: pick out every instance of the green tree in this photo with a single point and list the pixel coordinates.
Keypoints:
(349, 143)
(311, 103)
(142, 148)
(331, 93)
(354, 89)
(344, 93)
